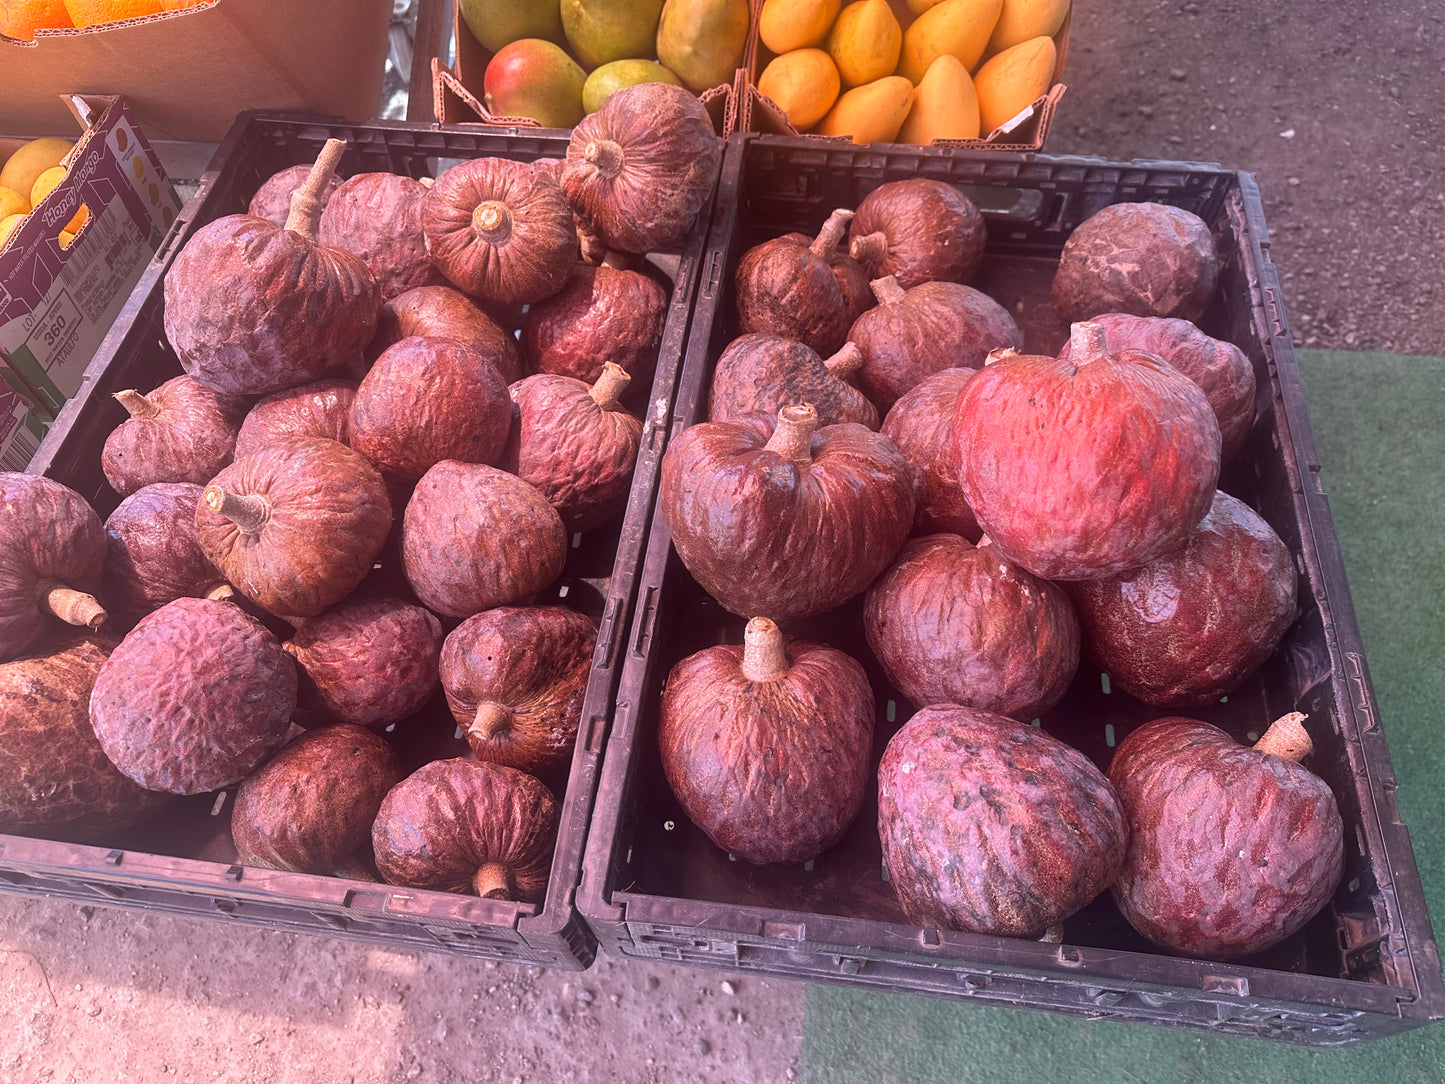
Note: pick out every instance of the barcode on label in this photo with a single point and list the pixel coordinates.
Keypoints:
(19, 450)
(99, 234)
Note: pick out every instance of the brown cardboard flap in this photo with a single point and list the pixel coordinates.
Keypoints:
(1024, 132)
(455, 104)
(186, 74)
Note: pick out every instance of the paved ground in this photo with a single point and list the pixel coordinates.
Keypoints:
(1335, 105)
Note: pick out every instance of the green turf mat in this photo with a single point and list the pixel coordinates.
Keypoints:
(1379, 422)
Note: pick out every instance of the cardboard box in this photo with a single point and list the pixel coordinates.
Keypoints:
(186, 74)
(457, 93)
(22, 427)
(1024, 132)
(57, 302)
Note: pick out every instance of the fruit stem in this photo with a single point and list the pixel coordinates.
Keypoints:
(1287, 737)
(71, 606)
(494, 882)
(606, 155)
(610, 386)
(886, 289)
(305, 214)
(825, 245)
(869, 249)
(793, 438)
(1086, 343)
(845, 362)
(492, 221)
(136, 404)
(248, 511)
(491, 721)
(764, 658)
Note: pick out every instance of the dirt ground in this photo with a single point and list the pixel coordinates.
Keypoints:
(1335, 105)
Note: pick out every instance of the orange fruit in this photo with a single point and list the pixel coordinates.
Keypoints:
(21, 18)
(95, 12)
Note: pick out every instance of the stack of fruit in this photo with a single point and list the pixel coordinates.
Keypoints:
(1057, 506)
(27, 177)
(556, 63)
(339, 517)
(948, 69)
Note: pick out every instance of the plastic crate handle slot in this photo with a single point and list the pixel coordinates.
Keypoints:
(1237, 985)
(596, 733)
(646, 621)
(785, 931)
(170, 243)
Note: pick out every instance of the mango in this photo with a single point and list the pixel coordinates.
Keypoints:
(701, 41)
(12, 203)
(45, 184)
(30, 161)
(872, 113)
(804, 83)
(609, 78)
(1013, 80)
(945, 106)
(8, 225)
(958, 27)
(496, 23)
(918, 7)
(534, 78)
(1021, 20)
(601, 31)
(785, 25)
(865, 42)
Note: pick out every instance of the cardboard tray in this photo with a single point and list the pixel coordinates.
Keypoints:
(654, 886)
(1025, 132)
(58, 298)
(184, 861)
(457, 93)
(188, 73)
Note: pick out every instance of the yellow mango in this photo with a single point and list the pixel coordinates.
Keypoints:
(30, 161)
(1013, 80)
(945, 106)
(872, 113)
(702, 41)
(865, 42)
(785, 25)
(1021, 20)
(958, 27)
(804, 83)
(12, 203)
(8, 224)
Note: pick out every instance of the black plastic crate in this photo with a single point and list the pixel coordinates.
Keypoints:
(184, 860)
(654, 886)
